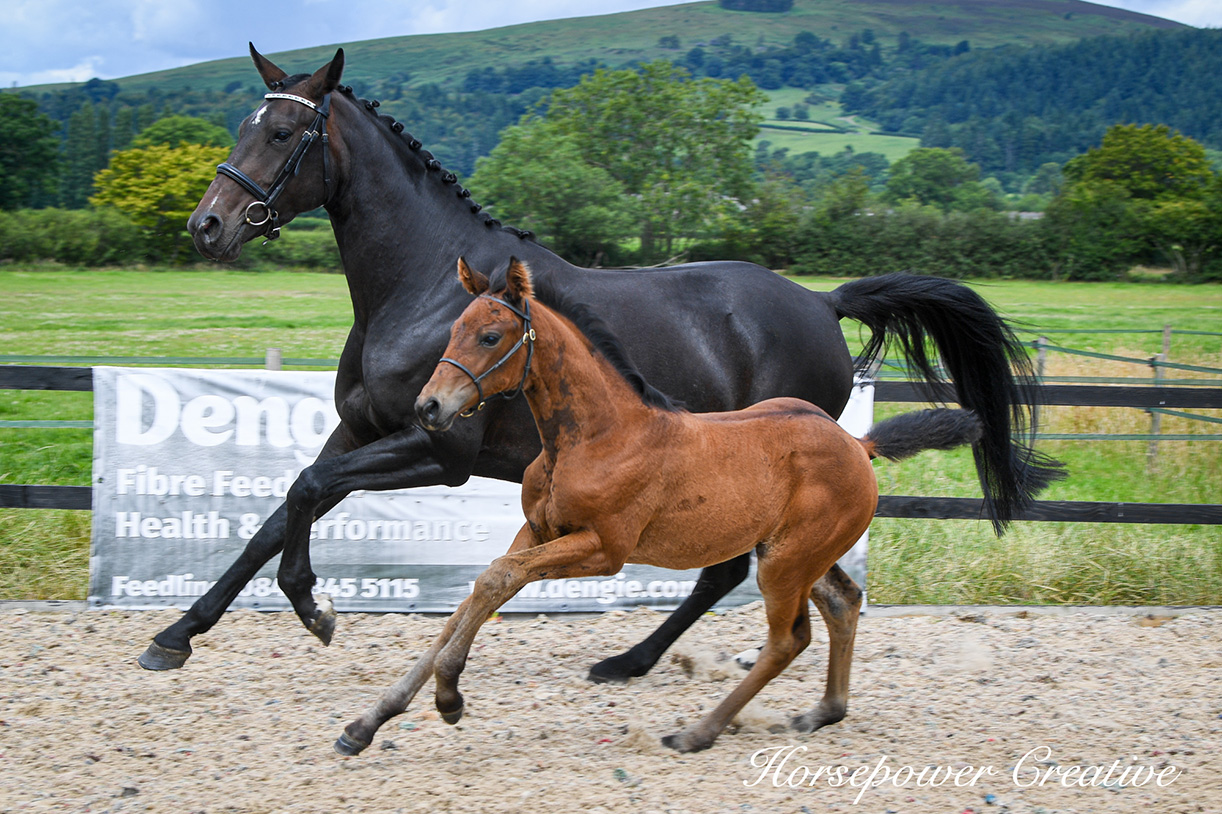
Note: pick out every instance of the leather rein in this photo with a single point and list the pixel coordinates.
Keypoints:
(263, 205)
(527, 339)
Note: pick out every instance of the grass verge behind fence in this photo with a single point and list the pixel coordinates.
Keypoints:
(44, 554)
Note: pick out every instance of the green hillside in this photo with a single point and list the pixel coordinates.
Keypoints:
(618, 39)
(456, 92)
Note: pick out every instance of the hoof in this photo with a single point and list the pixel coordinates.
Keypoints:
(617, 670)
(681, 742)
(453, 717)
(157, 657)
(606, 678)
(324, 625)
(821, 716)
(349, 747)
(747, 658)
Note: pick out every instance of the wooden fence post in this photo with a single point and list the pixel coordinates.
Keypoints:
(1041, 363)
(1156, 419)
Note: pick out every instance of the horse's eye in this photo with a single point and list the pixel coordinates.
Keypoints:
(490, 340)
(282, 135)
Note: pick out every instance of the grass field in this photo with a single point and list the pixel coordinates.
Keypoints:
(213, 313)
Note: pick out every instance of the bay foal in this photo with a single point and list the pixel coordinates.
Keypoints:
(627, 476)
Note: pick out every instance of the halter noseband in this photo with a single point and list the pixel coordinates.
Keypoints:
(265, 198)
(528, 339)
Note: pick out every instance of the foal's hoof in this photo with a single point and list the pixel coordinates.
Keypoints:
(323, 625)
(157, 657)
(819, 717)
(683, 742)
(453, 716)
(349, 747)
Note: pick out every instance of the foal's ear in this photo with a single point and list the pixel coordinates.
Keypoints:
(326, 78)
(472, 280)
(272, 75)
(518, 282)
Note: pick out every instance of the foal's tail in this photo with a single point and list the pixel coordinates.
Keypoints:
(906, 435)
(988, 365)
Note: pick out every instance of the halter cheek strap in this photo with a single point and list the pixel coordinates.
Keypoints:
(527, 339)
(261, 212)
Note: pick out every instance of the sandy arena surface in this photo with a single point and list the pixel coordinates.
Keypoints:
(1011, 708)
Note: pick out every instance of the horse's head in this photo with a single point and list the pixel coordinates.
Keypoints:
(482, 359)
(262, 185)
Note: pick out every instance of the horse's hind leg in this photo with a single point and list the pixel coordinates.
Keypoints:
(788, 635)
(715, 582)
(839, 601)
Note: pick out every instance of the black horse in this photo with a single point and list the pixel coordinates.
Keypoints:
(400, 221)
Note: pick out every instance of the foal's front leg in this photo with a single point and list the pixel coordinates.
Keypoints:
(580, 554)
(359, 734)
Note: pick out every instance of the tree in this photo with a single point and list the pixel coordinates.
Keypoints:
(1093, 231)
(29, 151)
(1144, 190)
(680, 146)
(537, 179)
(935, 177)
(1188, 231)
(1151, 162)
(175, 131)
(157, 187)
(82, 157)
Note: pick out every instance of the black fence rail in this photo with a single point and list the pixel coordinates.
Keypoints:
(37, 377)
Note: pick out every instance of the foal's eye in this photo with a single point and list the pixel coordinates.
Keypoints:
(282, 135)
(490, 340)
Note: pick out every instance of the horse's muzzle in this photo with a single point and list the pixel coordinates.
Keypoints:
(433, 416)
(211, 238)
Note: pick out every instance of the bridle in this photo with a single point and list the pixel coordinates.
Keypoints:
(528, 339)
(265, 198)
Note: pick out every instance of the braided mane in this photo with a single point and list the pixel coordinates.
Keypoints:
(431, 163)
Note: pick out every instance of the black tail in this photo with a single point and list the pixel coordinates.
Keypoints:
(988, 365)
(905, 435)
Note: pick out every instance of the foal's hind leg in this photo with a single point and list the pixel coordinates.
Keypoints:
(839, 601)
(715, 582)
(785, 593)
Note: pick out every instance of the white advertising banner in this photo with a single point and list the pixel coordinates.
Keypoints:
(189, 463)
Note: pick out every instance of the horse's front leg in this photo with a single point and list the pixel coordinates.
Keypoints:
(171, 647)
(405, 459)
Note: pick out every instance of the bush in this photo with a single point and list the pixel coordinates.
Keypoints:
(79, 237)
(296, 248)
(924, 240)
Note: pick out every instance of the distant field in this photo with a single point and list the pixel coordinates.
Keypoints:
(44, 554)
(828, 130)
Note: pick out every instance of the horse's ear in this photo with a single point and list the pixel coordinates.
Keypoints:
(272, 76)
(518, 282)
(326, 78)
(472, 280)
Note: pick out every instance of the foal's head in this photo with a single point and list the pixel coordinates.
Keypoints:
(490, 349)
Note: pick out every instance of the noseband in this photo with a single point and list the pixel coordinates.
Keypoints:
(265, 198)
(528, 339)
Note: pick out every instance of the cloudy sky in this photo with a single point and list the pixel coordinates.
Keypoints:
(44, 41)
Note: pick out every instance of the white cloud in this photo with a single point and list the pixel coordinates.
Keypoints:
(1200, 13)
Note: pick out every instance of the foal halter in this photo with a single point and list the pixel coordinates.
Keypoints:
(528, 339)
(265, 198)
